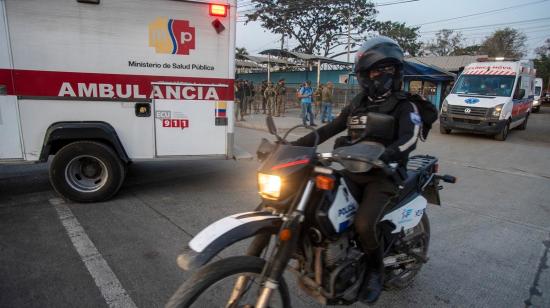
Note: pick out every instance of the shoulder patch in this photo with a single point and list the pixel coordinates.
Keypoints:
(415, 118)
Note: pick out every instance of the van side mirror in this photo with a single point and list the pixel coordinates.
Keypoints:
(519, 94)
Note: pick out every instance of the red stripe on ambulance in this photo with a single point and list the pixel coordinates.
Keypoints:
(114, 86)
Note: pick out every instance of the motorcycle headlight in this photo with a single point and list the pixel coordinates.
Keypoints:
(269, 186)
(444, 107)
(497, 110)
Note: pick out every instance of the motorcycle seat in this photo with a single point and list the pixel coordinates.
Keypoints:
(410, 184)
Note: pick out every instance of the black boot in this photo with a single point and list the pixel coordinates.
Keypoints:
(374, 280)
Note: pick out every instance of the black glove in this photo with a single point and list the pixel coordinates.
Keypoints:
(342, 141)
(388, 156)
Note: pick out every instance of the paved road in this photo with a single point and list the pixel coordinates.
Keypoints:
(489, 247)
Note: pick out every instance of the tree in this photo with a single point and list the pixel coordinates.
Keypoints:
(472, 50)
(319, 26)
(407, 37)
(446, 43)
(507, 42)
(542, 62)
(240, 52)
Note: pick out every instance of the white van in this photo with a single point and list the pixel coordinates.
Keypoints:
(490, 97)
(100, 84)
(538, 93)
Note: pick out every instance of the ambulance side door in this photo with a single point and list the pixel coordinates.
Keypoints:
(10, 137)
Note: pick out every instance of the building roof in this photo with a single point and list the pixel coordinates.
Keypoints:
(448, 63)
(302, 56)
(247, 64)
(265, 60)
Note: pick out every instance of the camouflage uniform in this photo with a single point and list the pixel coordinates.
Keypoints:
(269, 95)
(280, 100)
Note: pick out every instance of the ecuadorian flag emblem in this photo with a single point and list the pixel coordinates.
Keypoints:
(221, 113)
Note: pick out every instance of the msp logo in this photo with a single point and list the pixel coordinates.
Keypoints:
(171, 36)
(471, 101)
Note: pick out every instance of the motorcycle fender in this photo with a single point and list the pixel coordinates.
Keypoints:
(408, 215)
(223, 233)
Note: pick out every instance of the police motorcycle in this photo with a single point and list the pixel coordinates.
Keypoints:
(304, 227)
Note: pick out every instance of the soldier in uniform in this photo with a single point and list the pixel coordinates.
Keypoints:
(280, 100)
(270, 95)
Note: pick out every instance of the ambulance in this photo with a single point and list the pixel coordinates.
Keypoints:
(94, 85)
(491, 96)
(538, 95)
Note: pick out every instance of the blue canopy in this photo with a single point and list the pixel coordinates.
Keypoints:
(426, 72)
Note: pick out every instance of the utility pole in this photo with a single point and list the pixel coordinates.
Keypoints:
(349, 46)
(283, 42)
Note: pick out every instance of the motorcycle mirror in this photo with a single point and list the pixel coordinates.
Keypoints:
(271, 125)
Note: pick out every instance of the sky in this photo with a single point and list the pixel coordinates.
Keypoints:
(532, 18)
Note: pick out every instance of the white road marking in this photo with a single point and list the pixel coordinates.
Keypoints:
(107, 282)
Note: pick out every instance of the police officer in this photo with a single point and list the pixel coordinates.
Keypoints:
(379, 71)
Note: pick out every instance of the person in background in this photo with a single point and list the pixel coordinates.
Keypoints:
(269, 95)
(253, 101)
(239, 97)
(262, 91)
(326, 102)
(305, 94)
(247, 94)
(280, 100)
(317, 99)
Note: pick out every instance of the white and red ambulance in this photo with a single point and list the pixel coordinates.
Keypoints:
(492, 97)
(102, 83)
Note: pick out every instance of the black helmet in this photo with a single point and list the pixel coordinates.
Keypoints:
(377, 52)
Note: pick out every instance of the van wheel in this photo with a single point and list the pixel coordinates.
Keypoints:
(503, 133)
(443, 130)
(523, 125)
(536, 109)
(87, 171)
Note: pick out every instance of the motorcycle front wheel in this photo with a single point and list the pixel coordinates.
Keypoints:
(231, 282)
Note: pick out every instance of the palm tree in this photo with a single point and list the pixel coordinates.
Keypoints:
(240, 52)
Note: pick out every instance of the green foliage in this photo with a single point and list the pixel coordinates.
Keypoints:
(446, 43)
(240, 52)
(319, 26)
(407, 37)
(473, 50)
(507, 42)
(542, 63)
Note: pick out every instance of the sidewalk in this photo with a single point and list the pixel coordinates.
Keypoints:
(292, 118)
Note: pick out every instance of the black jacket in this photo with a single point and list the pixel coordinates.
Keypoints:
(407, 125)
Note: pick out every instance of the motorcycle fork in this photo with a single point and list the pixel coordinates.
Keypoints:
(259, 243)
(287, 242)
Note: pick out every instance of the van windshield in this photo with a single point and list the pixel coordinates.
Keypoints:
(537, 91)
(489, 85)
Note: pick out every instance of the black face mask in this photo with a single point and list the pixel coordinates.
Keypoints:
(378, 86)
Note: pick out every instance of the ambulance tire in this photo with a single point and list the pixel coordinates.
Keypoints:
(87, 171)
(523, 125)
(503, 134)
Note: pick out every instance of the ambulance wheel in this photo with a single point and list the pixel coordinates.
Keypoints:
(87, 171)
(523, 125)
(503, 133)
(443, 130)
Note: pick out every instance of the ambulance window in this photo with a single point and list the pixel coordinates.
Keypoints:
(89, 1)
(517, 89)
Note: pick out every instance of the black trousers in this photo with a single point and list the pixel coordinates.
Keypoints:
(378, 191)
